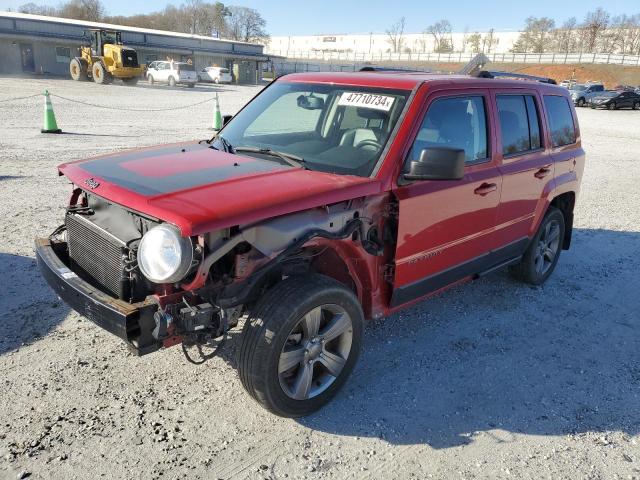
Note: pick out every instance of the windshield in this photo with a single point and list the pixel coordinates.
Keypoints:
(333, 128)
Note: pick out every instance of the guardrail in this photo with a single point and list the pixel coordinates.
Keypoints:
(555, 58)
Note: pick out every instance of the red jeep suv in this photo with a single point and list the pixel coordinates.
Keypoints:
(329, 199)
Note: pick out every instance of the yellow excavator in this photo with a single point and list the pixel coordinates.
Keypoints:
(105, 59)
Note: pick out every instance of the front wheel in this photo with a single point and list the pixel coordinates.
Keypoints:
(636, 106)
(100, 73)
(543, 253)
(581, 102)
(612, 106)
(300, 344)
(150, 79)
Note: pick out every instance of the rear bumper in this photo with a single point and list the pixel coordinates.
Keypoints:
(132, 322)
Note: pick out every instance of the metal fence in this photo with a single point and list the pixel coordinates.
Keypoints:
(557, 58)
(297, 66)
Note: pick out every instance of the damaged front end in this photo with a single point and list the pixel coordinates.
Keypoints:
(137, 278)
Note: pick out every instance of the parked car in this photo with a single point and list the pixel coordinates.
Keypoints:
(172, 73)
(614, 100)
(329, 199)
(580, 94)
(215, 75)
(568, 83)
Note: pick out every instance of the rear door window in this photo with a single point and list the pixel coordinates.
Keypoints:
(519, 124)
(561, 127)
(457, 122)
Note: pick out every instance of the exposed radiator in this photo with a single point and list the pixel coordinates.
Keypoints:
(97, 253)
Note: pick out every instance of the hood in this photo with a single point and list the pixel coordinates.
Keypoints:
(199, 189)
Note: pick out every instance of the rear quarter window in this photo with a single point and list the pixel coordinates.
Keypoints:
(560, 120)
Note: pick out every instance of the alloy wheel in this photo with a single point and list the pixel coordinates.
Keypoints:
(315, 352)
(548, 247)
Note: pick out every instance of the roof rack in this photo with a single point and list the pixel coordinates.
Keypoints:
(522, 76)
(373, 68)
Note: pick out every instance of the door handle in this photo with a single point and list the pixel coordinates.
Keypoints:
(486, 189)
(543, 172)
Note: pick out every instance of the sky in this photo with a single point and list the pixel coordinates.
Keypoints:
(312, 17)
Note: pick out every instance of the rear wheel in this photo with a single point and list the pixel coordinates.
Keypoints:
(172, 82)
(78, 70)
(296, 354)
(540, 259)
(581, 102)
(612, 106)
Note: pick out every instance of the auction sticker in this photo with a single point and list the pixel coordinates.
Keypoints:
(366, 100)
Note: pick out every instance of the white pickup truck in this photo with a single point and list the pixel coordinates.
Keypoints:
(172, 73)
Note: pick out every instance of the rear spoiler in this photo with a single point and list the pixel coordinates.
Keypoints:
(521, 76)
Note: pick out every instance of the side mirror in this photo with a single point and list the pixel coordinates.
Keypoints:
(437, 164)
(226, 119)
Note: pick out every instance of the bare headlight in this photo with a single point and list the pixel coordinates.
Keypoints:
(163, 255)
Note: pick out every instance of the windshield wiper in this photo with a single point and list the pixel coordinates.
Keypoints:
(289, 158)
(226, 146)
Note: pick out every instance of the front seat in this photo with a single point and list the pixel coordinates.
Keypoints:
(351, 138)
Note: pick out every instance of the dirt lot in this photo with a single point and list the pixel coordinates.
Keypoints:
(493, 379)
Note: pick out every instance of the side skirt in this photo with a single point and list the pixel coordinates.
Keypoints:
(479, 266)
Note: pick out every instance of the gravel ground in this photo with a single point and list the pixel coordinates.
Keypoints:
(493, 379)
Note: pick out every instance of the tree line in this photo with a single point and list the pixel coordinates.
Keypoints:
(196, 17)
(599, 31)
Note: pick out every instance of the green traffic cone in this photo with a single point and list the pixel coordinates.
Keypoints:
(217, 116)
(50, 125)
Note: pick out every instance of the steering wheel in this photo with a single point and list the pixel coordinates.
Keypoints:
(369, 143)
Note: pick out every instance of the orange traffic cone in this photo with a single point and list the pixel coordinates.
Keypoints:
(50, 125)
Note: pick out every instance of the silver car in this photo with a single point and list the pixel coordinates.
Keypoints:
(581, 93)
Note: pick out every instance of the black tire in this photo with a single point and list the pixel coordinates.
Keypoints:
(611, 106)
(130, 81)
(581, 102)
(172, 82)
(271, 325)
(191, 85)
(100, 74)
(527, 270)
(636, 106)
(78, 70)
(150, 79)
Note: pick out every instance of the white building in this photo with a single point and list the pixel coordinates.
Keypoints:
(377, 43)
